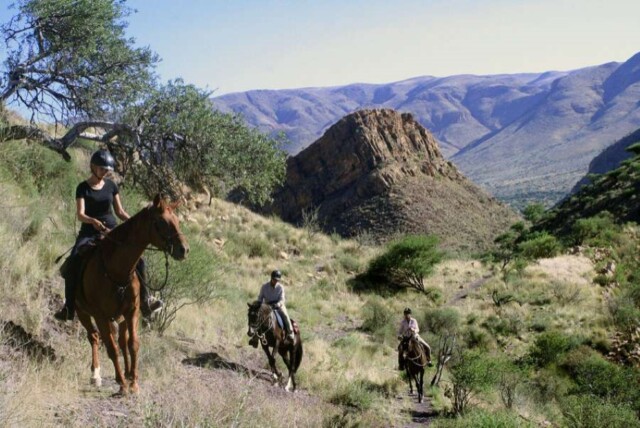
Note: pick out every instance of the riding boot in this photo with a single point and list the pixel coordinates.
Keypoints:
(148, 305)
(254, 341)
(71, 278)
(69, 309)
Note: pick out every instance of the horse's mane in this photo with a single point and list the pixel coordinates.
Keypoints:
(121, 232)
(263, 311)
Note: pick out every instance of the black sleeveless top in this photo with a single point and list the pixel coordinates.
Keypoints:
(97, 204)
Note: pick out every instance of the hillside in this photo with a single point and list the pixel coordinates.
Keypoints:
(201, 372)
(615, 191)
(379, 172)
(523, 137)
(610, 158)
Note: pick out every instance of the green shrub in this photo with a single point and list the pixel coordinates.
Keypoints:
(504, 326)
(542, 245)
(38, 170)
(534, 212)
(625, 313)
(441, 321)
(356, 394)
(378, 318)
(587, 411)
(599, 230)
(476, 338)
(247, 244)
(405, 263)
(472, 372)
(550, 346)
(596, 376)
(547, 385)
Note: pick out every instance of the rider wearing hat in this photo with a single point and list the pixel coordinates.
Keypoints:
(272, 293)
(94, 198)
(409, 327)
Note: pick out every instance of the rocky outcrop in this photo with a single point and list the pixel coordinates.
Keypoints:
(380, 172)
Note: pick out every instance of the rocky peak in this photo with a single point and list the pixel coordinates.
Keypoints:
(368, 149)
(375, 170)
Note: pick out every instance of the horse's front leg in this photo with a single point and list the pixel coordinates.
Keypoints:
(419, 385)
(112, 350)
(272, 362)
(94, 339)
(409, 376)
(123, 337)
(134, 346)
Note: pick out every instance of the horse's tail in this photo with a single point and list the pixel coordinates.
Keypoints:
(297, 355)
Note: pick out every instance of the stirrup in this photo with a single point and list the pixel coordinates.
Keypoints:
(291, 336)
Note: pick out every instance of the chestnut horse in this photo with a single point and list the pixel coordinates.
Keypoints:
(109, 289)
(264, 326)
(415, 360)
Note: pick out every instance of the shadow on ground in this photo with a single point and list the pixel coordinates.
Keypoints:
(213, 360)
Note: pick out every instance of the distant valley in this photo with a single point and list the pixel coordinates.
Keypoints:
(524, 137)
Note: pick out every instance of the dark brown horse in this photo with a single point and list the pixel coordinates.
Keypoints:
(263, 325)
(110, 289)
(415, 360)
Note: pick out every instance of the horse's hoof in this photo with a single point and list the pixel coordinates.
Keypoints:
(97, 381)
(134, 388)
(420, 400)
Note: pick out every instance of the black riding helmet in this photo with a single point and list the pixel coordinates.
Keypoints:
(103, 159)
(276, 274)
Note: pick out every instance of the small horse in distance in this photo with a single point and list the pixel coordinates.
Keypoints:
(415, 360)
(263, 325)
(109, 289)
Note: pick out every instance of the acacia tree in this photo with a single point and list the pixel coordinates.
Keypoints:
(70, 59)
(69, 62)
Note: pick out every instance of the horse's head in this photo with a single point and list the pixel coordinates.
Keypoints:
(409, 344)
(260, 318)
(165, 230)
(253, 319)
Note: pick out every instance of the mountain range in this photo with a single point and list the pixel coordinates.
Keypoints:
(523, 137)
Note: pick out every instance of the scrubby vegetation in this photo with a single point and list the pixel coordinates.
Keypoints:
(522, 347)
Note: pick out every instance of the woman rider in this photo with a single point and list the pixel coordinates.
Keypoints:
(94, 198)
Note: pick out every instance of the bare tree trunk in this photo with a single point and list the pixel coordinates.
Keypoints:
(60, 145)
(445, 351)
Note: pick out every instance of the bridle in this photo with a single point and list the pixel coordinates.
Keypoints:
(168, 249)
(420, 352)
(255, 327)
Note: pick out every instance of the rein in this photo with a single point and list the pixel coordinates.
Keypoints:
(415, 360)
(262, 337)
(167, 239)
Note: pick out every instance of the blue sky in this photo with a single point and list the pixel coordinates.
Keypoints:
(237, 45)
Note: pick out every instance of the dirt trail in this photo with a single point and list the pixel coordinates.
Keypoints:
(462, 294)
(424, 413)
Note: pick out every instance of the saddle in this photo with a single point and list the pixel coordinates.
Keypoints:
(294, 324)
(84, 251)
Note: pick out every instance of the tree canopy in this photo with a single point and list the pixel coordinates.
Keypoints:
(71, 58)
(69, 62)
